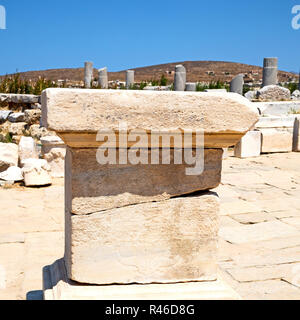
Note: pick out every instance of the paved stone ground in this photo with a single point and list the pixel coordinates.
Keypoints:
(259, 236)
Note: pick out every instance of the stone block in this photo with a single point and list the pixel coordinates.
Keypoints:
(88, 111)
(19, 98)
(278, 108)
(8, 156)
(54, 151)
(93, 187)
(16, 117)
(249, 146)
(274, 140)
(32, 116)
(276, 122)
(12, 174)
(27, 149)
(4, 114)
(161, 242)
(273, 93)
(36, 172)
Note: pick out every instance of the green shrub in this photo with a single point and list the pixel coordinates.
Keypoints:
(14, 84)
(163, 81)
(212, 85)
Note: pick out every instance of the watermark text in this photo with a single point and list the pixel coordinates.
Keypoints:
(2, 17)
(296, 18)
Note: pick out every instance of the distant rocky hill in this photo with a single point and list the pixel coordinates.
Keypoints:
(202, 71)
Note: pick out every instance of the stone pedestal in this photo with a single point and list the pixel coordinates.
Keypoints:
(147, 228)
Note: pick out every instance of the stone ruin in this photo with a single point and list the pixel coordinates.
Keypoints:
(141, 231)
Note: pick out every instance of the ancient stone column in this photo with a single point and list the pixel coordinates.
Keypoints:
(103, 78)
(190, 86)
(137, 209)
(129, 78)
(180, 78)
(88, 74)
(270, 72)
(237, 84)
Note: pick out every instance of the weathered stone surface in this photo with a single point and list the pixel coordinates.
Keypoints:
(16, 117)
(54, 151)
(57, 286)
(274, 140)
(4, 114)
(129, 78)
(296, 135)
(164, 242)
(36, 172)
(88, 74)
(273, 93)
(257, 232)
(32, 116)
(37, 132)
(279, 108)
(237, 84)
(8, 155)
(190, 86)
(19, 98)
(270, 71)
(276, 122)
(93, 187)
(249, 146)
(251, 95)
(296, 95)
(12, 174)
(27, 149)
(88, 111)
(180, 78)
(17, 129)
(103, 78)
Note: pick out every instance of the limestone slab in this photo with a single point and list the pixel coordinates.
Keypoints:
(93, 187)
(249, 146)
(57, 286)
(257, 232)
(274, 140)
(88, 111)
(276, 122)
(160, 242)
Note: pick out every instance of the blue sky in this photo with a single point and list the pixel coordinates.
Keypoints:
(126, 34)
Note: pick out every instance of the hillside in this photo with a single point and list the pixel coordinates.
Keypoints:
(196, 71)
